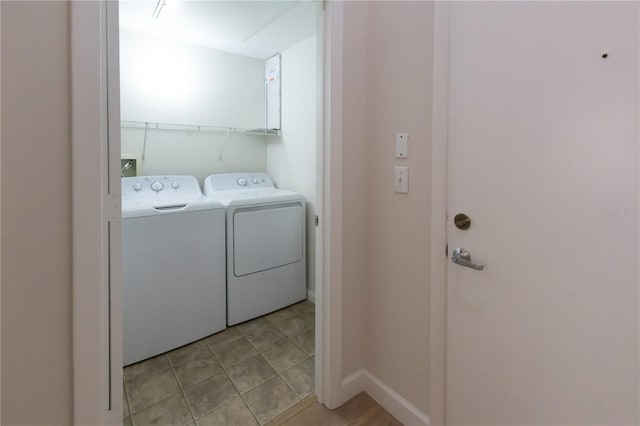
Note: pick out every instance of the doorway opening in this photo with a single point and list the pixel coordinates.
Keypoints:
(217, 97)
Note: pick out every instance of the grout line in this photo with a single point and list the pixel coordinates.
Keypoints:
(126, 396)
(287, 383)
(283, 411)
(157, 402)
(253, 387)
(278, 375)
(294, 411)
(295, 365)
(226, 329)
(131, 412)
(288, 337)
(193, 417)
(232, 384)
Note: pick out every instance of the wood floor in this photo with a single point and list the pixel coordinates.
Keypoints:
(360, 410)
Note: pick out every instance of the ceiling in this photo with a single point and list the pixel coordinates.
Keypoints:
(258, 29)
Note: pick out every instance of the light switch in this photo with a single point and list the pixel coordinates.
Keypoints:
(402, 142)
(401, 179)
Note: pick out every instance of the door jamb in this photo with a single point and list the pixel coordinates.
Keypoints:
(331, 393)
(95, 220)
(438, 290)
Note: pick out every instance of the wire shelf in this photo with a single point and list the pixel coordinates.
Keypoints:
(197, 128)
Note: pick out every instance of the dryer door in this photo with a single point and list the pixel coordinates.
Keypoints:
(267, 237)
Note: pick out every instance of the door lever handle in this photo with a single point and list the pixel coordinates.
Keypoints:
(462, 257)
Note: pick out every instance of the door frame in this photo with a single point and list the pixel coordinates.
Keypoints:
(97, 310)
(97, 322)
(439, 255)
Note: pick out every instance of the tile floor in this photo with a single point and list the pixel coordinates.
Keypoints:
(244, 375)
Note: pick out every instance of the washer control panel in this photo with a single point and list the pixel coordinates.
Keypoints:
(235, 181)
(153, 190)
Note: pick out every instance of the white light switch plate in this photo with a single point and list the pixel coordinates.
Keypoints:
(401, 179)
(402, 143)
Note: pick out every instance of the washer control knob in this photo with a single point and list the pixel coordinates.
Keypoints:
(242, 182)
(137, 187)
(175, 185)
(255, 180)
(157, 186)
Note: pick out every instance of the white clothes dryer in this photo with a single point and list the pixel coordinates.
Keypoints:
(173, 265)
(266, 254)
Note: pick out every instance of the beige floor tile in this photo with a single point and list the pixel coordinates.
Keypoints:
(307, 311)
(310, 318)
(189, 353)
(261, 333)
(233, 352)
(148, 367)
(193, 363)
(223, 337)
(144, 390)
(254, 324)
(234, 413)
(306, 341)
(127, 421)
(270, 399)
(283, 354)
(197, 370)
(250, 373)
(304, 307)
(170, 411)
(295, 324)
(210, 394)
(281, 314)
(300, 378)
(125, 403)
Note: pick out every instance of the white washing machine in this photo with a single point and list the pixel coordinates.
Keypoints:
(173, 266)
(266, 254)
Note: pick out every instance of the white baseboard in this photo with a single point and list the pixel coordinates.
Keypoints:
(352, 385)
(311, 296)
(389, 399)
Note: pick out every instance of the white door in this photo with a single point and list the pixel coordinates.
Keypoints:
(543, 158)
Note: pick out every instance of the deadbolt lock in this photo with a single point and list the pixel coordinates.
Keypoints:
(462, 221)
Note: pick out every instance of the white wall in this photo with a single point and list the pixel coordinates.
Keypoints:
(168, 82)
(386, 260)
(196, 153)
(398, 234)
(291, 159)
(173, 82)
(37, 377)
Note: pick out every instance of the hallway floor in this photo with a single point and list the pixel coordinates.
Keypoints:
(359, 410)
(245, 375)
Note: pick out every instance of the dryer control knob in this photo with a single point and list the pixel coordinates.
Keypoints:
(242, 182)
(157, 186)
(255, 180)
(175, 185)
(137, 187)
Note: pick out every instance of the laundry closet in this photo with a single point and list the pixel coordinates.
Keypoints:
(219, 141)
